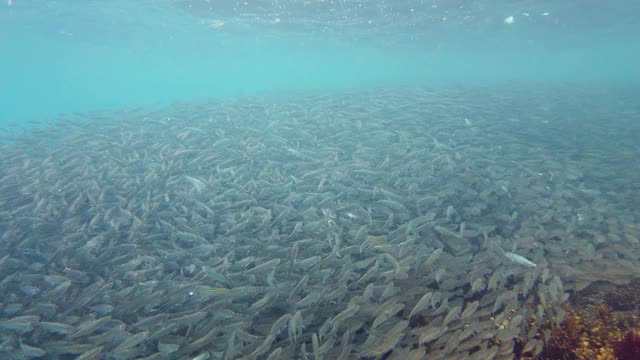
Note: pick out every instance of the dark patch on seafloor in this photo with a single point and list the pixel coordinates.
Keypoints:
(601, 324)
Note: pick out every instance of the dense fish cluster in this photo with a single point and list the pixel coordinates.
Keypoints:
(404, 224)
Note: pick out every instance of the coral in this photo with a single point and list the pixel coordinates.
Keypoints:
(601, 324)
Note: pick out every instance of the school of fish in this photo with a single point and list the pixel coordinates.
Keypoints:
(395, 223)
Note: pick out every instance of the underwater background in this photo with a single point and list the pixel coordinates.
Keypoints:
(67, 56)
(319, 179)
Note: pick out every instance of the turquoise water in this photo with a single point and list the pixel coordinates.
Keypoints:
(72, 56)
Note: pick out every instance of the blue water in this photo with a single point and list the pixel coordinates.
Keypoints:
(77, 55)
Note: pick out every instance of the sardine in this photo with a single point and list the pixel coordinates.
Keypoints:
(518, 259)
